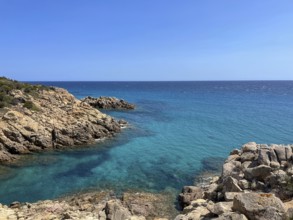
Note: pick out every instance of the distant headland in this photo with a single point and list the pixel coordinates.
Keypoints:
(37, 117)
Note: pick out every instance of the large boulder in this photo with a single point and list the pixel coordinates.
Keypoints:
(257, 206)
(260, 172)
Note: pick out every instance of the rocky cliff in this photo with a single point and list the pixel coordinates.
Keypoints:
(34, 118)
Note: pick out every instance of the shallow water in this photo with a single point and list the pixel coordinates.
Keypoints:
(178, 130)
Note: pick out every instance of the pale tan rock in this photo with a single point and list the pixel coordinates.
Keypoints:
(220, 207)
(259, 206)
(249, 147)
(73, 123)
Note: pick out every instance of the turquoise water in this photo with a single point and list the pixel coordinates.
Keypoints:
(178, 130)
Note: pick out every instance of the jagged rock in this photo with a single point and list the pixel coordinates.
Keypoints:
(260, 172)
(259, 206)
(108, 103)
(190, 193)
(211, 191)
(231, 185)
(115, 211)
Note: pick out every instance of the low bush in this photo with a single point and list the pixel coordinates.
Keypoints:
(30, 105)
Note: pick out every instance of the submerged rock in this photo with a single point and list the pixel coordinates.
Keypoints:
(108, 103)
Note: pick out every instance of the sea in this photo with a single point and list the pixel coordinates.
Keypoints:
(178, 131)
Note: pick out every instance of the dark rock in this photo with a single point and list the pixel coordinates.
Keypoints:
(230, 184)
(260, 172)
(15, 204)
(235, 152)
(190, 193)
(108, 103)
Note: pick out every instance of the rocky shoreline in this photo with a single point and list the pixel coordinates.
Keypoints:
(255, 184)
(102, 205)
(36, 118)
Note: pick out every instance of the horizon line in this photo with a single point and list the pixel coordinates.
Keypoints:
(257, 80)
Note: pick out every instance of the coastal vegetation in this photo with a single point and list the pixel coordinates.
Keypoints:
(8, 85)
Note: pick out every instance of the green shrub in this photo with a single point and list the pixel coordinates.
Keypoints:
(2, 104)
(30, 105)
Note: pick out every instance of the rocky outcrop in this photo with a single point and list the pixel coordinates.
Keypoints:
(98, 206)
(49, 118)
(108, 103)
(254, 182)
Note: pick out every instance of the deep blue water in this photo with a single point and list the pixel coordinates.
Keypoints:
(177, 130)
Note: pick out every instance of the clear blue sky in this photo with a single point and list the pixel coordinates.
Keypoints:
(146, 40)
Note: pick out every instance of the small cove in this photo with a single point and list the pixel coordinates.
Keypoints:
(178, 130)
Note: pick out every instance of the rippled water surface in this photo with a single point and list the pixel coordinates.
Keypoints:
(178, 130)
